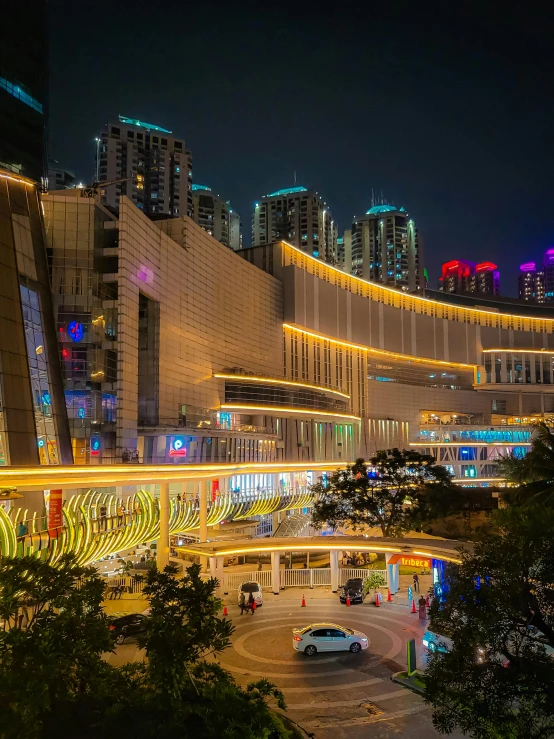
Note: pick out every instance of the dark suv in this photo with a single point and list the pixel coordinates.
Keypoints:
(123, 625)
(355, 589)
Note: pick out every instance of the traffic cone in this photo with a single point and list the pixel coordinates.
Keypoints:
(303, 602)
(414, 610)
(225, 613)
(389, 597)
(427, 602)
(254, 606)
(377, 601)
(347, 600)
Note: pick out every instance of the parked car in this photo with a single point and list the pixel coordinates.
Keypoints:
(123, 625)
(251, 586)
(328, 638)
(355, 589)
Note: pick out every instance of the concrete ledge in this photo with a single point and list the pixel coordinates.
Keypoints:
(414, 682)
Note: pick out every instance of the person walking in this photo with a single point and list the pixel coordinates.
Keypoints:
(251, 602)
(102, 518)
(416, 582)
(242, 603)
(120, 512)
(259, 565)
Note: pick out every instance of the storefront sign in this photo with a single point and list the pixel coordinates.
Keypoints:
(215, 489)
(55, 516)
(410, 560)
(177, 447)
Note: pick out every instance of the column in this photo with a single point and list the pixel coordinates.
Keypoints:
(334, 557)
(392, 574)
(275, 572)
(162, 557)
(216, 570)
(276, 520)
(203, 513)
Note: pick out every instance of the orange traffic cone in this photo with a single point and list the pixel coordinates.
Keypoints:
(225, 613)
(427, 603)
(377, 600)
(303, 602)
(347, 600)
(389, 597)
(413, 606)
(254, 606)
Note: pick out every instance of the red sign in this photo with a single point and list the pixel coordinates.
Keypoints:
(410, 560)
(215, 489)
(55, 517)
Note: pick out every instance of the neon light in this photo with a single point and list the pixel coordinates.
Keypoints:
(75, 331)
(274, 381)
(46, 399)
(528, 267)
(19, 94)
(201, 187)
(546, 352)
(177, 447)
(286, 191)
(40, 443)
(141, 124)
(81, 413)
(486, 267)
(381, 209)
(285, 409)
(94, 446)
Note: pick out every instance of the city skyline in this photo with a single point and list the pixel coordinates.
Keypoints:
(426, 112)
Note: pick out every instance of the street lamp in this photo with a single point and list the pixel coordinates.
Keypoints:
(97, 159)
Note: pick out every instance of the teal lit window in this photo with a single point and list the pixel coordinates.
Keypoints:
(20, 94)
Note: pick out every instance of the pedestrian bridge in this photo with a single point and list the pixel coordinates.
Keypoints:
(414, 552)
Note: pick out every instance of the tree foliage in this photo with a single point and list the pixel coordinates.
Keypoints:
(533, 473)
(54, 682)
(393, 491)
(494, 600)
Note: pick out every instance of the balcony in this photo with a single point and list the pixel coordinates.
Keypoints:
(207, 422)
(470, 434)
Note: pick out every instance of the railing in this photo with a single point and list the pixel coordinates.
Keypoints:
(307, 578)
(471, 433)
(210, 423)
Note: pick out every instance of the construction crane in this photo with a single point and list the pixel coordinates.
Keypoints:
(93, 191)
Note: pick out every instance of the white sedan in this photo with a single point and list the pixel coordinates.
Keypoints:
(328, 638)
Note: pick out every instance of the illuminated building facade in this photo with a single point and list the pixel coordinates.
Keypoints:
(299, 216)
(147, 164)
(385, 247)
(531, 283)
(461, 276)
(23, 89)
(216, 216)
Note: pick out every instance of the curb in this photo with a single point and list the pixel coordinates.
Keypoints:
(407, 682)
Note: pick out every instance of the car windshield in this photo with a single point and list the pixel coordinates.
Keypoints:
(353, 584)
(250, 587)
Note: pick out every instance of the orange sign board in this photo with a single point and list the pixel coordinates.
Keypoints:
(410, 560)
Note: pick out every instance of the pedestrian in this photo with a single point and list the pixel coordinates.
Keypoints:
(178, 498)
(22, 529)
(422, 608)
(251, 602)
(416, 582)
(102, 518)
(259, 565)
(120, 512)
(242, 603)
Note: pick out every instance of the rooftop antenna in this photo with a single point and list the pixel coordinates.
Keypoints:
(382, 198)
(372, 198)
(294, 178)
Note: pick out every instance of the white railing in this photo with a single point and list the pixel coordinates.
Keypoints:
(310, 578)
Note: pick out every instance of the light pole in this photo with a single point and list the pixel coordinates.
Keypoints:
(97, 159)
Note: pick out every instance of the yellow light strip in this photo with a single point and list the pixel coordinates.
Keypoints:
(21, 180)
(285, 409)
(288, 548)
(416, 298)
(545, 352)
(469, 443)
(273, 381)
(457, 560)
(379, 352)
(478, 479)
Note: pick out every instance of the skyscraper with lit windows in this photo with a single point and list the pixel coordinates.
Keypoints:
(215, 215)
(146, 163)
(299, 216)
(461, 276)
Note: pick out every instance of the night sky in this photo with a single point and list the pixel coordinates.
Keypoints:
(448, 110)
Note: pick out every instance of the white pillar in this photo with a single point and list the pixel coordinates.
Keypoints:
(216, 570)
(275, 572)
(162, 557)
(392, 574)
(334, 557)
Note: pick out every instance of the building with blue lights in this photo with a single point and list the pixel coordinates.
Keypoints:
(299, 216)
(146, 163)
(386, 248)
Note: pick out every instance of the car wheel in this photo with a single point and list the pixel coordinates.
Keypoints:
(310, 650)
(356, 647)
(120, 638)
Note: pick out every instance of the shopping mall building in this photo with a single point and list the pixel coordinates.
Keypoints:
(159, 345)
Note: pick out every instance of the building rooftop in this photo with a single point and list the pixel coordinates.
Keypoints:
(383, 208)
(142, 124)
(287, 191)
(201, 187)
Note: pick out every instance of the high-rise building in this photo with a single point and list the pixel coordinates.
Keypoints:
(387, 248)
(531, 283)
(300, 217)
(216, 216)
(148, 165)
(23, 89)
(460, 276)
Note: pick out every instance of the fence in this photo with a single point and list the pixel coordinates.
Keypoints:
(309, 578)
(131, 584)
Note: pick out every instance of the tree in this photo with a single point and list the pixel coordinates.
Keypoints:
(496, 679)
(54, 682)
(395, 490)
(374, 581)
(534, 472)
(54, 632)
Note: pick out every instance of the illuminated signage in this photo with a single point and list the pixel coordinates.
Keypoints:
(46, 400)
(177, 447)
(94, 446)
(75, 331)
(408, 560)
(81, 412)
